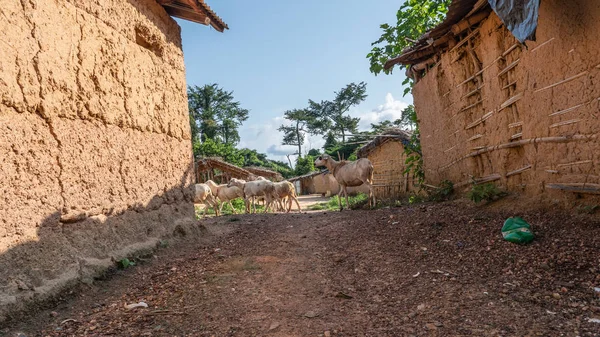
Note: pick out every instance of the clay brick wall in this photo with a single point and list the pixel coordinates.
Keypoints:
(523, 118)
(95, 147)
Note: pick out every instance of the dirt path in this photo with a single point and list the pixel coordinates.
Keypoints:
(309, 200)
(433, 270)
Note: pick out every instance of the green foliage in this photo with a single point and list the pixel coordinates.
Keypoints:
(314, 152)
(332, 204)
(304, 165)
(445, 190)
(484, 192)
(412, 149)
(125, 263)
(413, 19)
(214, 114)
(330, 117)
(295, 134)
(408, 120)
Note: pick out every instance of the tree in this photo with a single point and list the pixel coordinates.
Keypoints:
(294, 134)
(304, 165)
(414, 18)
(330, 118)
(314, 152)
(214, 114)
(408, 120)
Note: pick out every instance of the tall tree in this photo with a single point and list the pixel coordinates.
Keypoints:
(214, 114)
(332, 116)
(414, 18)
(294, 134)
(408, 120)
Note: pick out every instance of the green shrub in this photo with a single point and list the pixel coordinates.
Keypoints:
(444, 191)
(484, 192)
(356, 201)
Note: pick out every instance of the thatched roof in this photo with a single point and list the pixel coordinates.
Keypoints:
(389, 135)
(264, 172)
(206, 164)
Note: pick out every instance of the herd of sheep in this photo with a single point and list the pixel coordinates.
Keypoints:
(277, 194)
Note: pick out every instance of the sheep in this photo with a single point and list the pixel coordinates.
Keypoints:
(204, 195)
(286, 190)
(350, 173)
(252, 189)
(225, 193)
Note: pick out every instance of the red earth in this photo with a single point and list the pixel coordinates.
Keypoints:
(426, 270)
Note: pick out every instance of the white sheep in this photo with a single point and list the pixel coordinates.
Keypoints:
(286, 192)
(225, 193)
(203, 195)
(350, 173)
(253, 189)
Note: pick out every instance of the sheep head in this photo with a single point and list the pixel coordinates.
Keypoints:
(236, 182)
(322, 160)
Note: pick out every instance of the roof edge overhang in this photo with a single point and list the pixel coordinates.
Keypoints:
(194, 10)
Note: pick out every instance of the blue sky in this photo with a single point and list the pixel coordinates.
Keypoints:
(278, 54)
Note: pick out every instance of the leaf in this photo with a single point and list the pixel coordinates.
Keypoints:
(344, 296)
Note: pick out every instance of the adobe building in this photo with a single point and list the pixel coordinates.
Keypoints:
(96, 157)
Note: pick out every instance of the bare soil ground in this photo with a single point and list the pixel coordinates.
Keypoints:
(426, 270)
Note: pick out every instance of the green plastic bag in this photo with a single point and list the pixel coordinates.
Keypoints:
(517, 230)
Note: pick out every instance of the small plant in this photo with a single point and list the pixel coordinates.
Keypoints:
(163, 243)
(443, 192)
(356, 202)
(415, 199)
(125, 263)
(588, 209)
(484, 192)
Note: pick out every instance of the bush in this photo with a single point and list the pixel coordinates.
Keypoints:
(487, 192)
(356, 201)
(443, 193)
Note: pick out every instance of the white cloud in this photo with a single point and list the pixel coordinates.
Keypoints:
(390, 110)
(265, 138)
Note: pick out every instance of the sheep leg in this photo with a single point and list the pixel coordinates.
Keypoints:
(346, 195)
(232, 209)
(297, 204)
(268, 201)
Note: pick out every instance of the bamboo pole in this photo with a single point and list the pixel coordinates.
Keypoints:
(463, 41)
(569, 79)
(517, 171)
(509, 85)
(559, 139)
(515, 125)
(513, 47)
(511, 101)
(576, 187)
(575, 163)
(564, 111)
(543, 44)
(509, 67)
(572, 121)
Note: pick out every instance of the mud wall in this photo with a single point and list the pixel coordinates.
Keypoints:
(95, 147)
(389, 180)
(523, 117)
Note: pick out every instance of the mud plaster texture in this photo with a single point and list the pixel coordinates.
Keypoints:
(95, 146)
(389, 180)
(551, 88)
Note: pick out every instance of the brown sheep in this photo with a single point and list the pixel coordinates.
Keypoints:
(349, 173)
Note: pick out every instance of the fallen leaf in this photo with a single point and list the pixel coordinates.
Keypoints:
(342, 295)
(136, 305)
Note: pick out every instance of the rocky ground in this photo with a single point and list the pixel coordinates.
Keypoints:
(424, 270)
